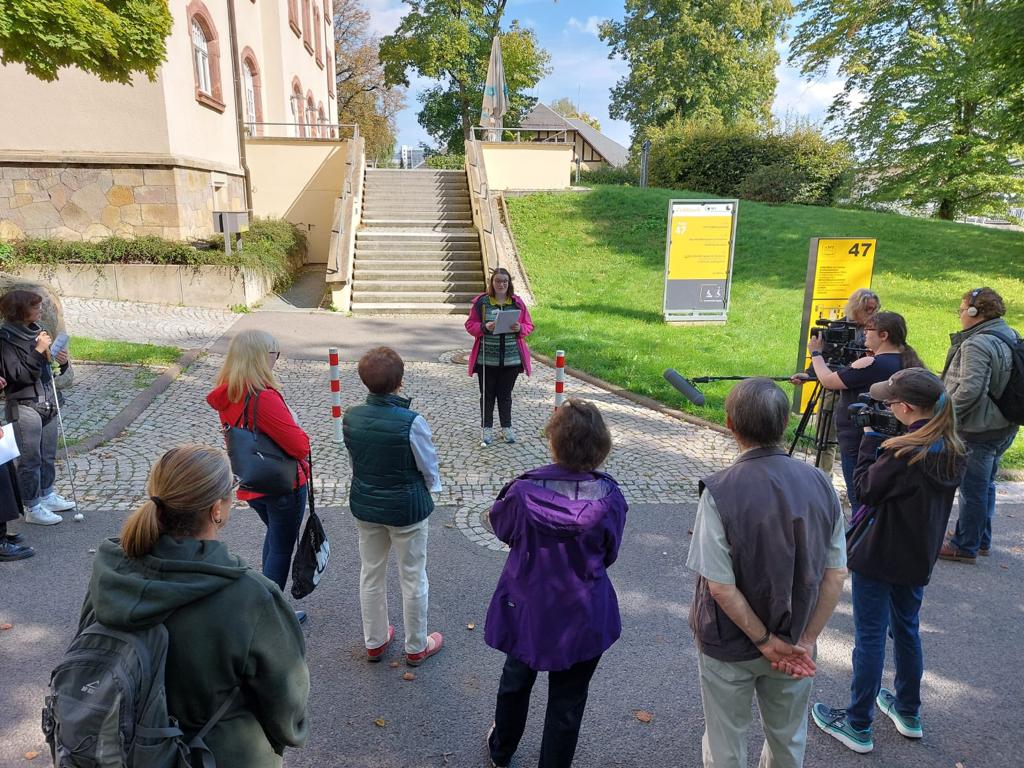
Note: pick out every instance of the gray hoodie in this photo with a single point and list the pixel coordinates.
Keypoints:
(228, 627)
(977, 366)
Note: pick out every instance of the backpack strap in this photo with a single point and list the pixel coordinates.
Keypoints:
(198, 746)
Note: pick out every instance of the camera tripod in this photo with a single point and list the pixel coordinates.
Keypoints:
(823, 441)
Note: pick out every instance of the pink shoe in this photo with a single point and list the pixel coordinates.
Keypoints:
(434, 642)
(376, 654)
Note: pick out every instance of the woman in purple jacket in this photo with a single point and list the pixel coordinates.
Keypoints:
(555, 609)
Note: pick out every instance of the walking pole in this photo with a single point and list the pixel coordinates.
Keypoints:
(79, 517)
(481, 356)
(332, 353)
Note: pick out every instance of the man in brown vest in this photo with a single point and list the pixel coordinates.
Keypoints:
(770, 553)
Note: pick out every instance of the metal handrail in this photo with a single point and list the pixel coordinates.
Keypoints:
(484, 213)
(334, 129)
(560, 137)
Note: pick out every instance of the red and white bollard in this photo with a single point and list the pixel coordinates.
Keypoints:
(332, 353)
(559, 378)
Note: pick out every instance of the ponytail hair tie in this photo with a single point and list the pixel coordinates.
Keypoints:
(939, 404)
(157, 501)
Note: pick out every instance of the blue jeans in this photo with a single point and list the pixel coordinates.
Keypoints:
(849, 450)
(283, 516)
(978, 494)
(879, 607)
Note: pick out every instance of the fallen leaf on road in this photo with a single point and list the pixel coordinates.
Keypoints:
(690, 531)
(380, 722)
(409, 676)
(643, 715)
(1004, 567)
(31, 755)
(959, 765)
(471, 625)
(5, 627)
(393, 665)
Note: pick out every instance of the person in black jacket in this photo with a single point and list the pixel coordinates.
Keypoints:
(906, 484)
(31, 403)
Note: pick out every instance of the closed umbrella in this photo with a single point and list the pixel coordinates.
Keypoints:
(495, 93)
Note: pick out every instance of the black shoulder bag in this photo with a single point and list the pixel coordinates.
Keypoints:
(313, 551)
(259, 462)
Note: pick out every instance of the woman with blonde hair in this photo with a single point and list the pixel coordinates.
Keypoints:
(906, 484)
(247, 394)
(169, 567)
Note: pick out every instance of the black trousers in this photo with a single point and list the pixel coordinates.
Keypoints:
(567, 698)
(496, 384)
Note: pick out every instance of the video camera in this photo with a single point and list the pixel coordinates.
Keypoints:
(840, 341)
(873, 414)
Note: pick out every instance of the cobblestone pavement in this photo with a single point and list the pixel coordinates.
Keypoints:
(186, 327)
(656, 457)
(98, 395)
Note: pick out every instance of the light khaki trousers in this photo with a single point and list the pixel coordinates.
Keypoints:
(728, 689)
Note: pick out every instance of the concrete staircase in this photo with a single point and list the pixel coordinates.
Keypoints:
(416, 248)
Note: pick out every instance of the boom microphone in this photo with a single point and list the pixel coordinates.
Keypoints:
(684, 387)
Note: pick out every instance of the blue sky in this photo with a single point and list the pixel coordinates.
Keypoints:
(581, 69)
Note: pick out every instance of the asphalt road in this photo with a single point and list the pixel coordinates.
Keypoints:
(972, 621)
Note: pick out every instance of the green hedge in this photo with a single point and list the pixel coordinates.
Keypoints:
(799, 165)
(271, 246)
(622, 176)
(449, 162)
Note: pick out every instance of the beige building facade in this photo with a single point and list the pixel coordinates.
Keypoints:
(84, 159)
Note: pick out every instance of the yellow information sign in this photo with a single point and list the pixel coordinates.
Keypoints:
(700, 245)
(837, 267)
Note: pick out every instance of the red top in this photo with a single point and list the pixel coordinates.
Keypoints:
(274, 419)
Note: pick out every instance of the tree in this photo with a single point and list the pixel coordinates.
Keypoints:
(450, 41)
(1004, 40)
(363, 97)
(112, 39)
(566, 108)
(921, 102)
(710, 61)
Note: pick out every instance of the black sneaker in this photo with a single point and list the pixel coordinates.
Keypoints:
(10, 551)
(14, 538)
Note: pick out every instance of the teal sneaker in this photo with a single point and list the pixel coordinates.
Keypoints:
(908, 725)
(834, 723)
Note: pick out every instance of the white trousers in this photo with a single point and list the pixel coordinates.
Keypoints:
(410, 543)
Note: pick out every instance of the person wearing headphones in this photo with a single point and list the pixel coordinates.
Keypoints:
(978, 367)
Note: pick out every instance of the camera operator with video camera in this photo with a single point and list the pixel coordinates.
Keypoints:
(885, 338)
(906, 483)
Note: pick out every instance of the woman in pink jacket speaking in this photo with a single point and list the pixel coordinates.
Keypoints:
(498, 358)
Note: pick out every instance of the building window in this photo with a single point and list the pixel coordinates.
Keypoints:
(317, 28)
(251, 91)
(293, 17)
(298, 109)
(311, 115)
(205, 56)
(325, 128)
(305, 26)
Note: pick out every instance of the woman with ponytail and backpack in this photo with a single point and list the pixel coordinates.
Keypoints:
(233, 641)
(906, 484)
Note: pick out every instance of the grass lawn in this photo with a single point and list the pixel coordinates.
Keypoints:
(122, 352)
(596, 263)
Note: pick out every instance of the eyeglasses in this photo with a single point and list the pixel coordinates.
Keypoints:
(235, 482)
(890, 403)
(869, 328)
(275, 355)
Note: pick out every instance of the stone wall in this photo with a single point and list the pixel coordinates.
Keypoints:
(79, 202)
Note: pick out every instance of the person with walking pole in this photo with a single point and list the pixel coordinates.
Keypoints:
(498, 358)
(31, 404)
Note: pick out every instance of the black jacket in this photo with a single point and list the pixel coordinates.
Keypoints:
(21, 366)
(899, 542)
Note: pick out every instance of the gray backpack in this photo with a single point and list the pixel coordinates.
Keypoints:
(108, 707)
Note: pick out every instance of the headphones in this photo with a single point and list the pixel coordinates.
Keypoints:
(972, 311)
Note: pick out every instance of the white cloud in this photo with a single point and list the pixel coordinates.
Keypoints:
(384, 15)
(592, 26)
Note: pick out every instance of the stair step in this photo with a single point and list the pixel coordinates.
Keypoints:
(440, 186)
(415, 208)
(419, 252)
(415, 171)
(453, 270)
(361, 287)
(399, 308)
(374, 234)
(417, 297)
(438, 224)
(408, 193)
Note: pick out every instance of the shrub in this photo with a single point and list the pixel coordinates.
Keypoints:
(607, 175)
(449, 162)
(718, 159)
(271, 246)
(775, 183)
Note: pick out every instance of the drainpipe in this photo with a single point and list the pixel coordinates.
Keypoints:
(239, 120)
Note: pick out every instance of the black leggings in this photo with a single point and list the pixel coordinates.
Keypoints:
(500, 382)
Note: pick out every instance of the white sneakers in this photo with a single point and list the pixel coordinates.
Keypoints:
(40, 515)
(56, 503)
(43, 512)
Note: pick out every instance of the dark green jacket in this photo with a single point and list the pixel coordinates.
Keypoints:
(387, 486)
(228, 626)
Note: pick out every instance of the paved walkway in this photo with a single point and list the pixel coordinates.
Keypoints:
(438, 719)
